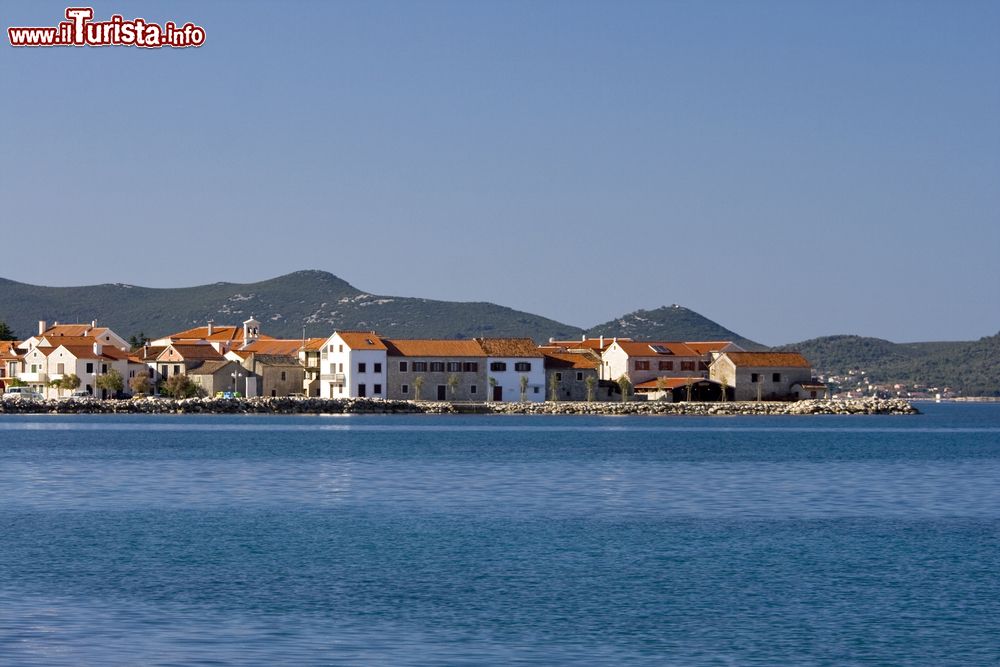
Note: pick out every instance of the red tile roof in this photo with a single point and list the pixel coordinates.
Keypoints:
(557, 358)
(704, 347)
(671, 383)
(768, 359)
(362, 340)
(645, 349)
(190, 352)
(426, 347)
(219, 334)
(509, 347)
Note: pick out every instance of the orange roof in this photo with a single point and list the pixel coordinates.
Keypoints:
(362, 340)
(147, 352)
(219, 334)
(645, 349)
(280, 346)
(314, 344)
(586, 343)
(86, 351)
(672, 383)
(8, 350)
(425, 347)
(768, 359)
(509, 347)
(74, 330)
(561, 359)
(190, 352)
(704, 347)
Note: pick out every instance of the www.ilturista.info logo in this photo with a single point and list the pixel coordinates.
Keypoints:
(80, 30)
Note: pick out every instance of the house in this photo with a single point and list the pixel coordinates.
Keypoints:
(179, 358)
(218, 375)
(515, 369)
(353, 365)
(222, 338)
(679, 389)
(310, 358)
(812, 388)
(11, 361)
(573, 375)
(761, 375)
(273, 366)
(642, 361)
(50, 336)
(73, 355)
(425, 369)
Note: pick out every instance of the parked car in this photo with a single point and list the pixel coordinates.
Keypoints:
(81, 395)
(22, 394)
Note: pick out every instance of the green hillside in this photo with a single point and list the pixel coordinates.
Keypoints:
(319, 301)
(669, 323)
(972, 367)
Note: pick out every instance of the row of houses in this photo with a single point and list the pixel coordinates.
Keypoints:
(351, 364)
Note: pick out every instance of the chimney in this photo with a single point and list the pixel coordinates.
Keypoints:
(602, 341)
(42, 326)
(551, 339)
(98, 349)
(93, 324)
(211, 327)
(583, 338)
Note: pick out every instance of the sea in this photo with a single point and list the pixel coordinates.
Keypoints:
(497, 540)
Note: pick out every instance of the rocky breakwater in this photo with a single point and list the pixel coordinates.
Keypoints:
(221, 406)
(872, 406)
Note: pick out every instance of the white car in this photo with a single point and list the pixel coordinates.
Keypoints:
(80, 395)
(22, 394)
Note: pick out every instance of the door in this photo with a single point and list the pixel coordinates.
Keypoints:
(498, 393)
(441, 392)
(362, 392)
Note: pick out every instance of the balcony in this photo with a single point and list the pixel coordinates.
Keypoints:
(34, 378)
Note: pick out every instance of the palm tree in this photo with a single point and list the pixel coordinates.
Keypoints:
(661, 386)
(625, 385)
(591, 383)
(493, 384)
(418, 384)
(453, 384)
(553, 388)
(524, 388)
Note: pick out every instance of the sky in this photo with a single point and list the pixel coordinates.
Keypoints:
(787, 169)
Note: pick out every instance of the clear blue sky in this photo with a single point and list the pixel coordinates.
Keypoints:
(789, 169)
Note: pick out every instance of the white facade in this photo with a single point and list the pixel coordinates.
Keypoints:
(40, 369)
(506, 373)
(353, 365)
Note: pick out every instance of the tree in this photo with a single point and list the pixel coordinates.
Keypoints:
(591, 383)
(492, 381)
(111, 381)
(70, 381)
(553, 388)
(140, 384)
(138, 340)
(418, 384)
(524, 388)
(661, 386)
(15, 382)
(180, 386)
(5, 332)
(690, 387)
(625, 386)
(452, 384)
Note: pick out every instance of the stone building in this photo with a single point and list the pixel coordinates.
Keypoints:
(452, 370)
(767, 376)
(567, 372)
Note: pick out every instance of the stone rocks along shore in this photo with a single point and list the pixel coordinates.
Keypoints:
(290, 406)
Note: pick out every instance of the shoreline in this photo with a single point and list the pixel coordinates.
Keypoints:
(321, 406)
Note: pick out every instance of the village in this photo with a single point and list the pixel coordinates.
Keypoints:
(86, 361)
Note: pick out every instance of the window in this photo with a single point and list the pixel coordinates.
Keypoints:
(377, 389)
(754, 377)
(687, 365)
(362, 391)
(282, 376)
(377, 367)
(329, 348)
(405, 389)
(90, 367)
(558, 377)
(340, 368)
(666, 365)
(34, 368)
(454, 366)
(104, 368)
(470, 367)
(60, 368)
(472, 389)
(419, 366)
(340, 389)
(437, 367)
(642, 365)
(333, 368)
(776, 377)
(536, 390)
(177, 369)
(579, 376)
(340, 348)
(522, 366)
(498, 366)
(361, 367)
(151, 373)
(402, 369)
(163, 369)
(274, 392)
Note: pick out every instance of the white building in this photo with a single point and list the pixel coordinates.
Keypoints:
(353, 364)
(78, 356)
(508, 360)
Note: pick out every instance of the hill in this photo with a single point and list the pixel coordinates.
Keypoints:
(670, 323)
(317, 300)
(972, 367)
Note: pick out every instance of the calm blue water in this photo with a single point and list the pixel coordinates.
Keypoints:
(427, 540)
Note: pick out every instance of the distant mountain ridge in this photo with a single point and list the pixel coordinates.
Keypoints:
(320, 302)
